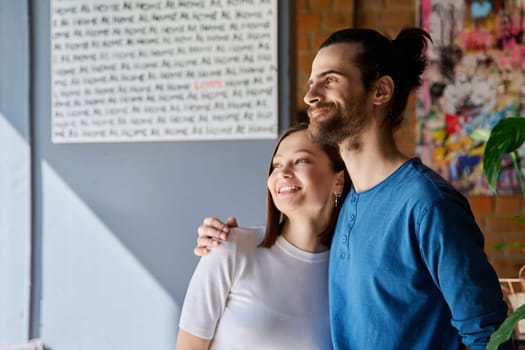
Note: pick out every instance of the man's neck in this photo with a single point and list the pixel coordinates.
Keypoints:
(371, 159)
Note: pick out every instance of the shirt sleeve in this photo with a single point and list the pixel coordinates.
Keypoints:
(208, 290)
(451, 245)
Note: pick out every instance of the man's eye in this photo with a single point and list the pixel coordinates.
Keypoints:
(276, 165)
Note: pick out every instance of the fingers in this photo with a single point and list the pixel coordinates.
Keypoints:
(216, 223)
(201, 251)
(232, 222)
(211, 232)
(213, 227)
(211, 221)
(203, 244)
(205, 241)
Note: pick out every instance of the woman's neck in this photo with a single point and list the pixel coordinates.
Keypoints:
(304, 234)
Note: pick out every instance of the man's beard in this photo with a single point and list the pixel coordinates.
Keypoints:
(334, 129)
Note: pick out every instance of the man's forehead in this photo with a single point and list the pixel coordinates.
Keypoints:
(335, 57)
(340, 50)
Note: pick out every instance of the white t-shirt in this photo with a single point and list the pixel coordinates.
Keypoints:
(245, 297)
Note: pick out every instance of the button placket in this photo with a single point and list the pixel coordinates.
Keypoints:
(345, 238)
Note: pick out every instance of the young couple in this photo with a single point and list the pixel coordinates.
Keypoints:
(407, 267)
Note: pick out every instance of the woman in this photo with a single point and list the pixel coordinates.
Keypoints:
(272, 293)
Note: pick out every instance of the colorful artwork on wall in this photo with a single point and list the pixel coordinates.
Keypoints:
(476, 77)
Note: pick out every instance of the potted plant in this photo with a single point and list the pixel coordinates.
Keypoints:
(507, 136)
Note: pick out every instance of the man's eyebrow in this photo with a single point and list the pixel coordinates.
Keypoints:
(325, 73)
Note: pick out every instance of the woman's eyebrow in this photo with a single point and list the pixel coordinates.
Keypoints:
(278, 155)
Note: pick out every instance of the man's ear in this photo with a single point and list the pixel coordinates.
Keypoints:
(384, 90)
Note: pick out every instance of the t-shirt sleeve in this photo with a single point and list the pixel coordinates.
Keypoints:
(208, 290)
(451, 245)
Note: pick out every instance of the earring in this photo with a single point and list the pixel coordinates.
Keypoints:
(337, 196)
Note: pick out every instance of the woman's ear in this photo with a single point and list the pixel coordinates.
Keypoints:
(384, 90)
(339, 182)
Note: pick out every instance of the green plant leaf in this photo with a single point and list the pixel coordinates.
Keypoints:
(506, 136)
(504, 332)
(503, 246)
(518, 219)
(499, 246)
(480, 135)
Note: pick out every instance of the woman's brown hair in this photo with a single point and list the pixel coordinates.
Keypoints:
(274, 216)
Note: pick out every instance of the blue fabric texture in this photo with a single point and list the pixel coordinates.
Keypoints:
(408, 270)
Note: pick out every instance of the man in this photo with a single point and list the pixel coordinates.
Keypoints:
(407, 266)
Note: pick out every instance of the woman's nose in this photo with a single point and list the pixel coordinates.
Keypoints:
(286, 172)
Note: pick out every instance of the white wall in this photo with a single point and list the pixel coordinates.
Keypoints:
(15, 173)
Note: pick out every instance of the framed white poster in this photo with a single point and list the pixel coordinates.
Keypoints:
(163, 70)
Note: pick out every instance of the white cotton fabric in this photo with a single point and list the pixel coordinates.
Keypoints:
(245, 297)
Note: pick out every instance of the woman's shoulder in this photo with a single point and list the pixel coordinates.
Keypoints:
(247, 237)
(240, 246)
(242, 242)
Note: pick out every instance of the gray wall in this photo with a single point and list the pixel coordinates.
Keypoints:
(97, 239)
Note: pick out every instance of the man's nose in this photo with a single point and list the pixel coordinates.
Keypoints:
(312, 96)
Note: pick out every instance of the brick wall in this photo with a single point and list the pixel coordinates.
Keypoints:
(318, 18)
(496, 217)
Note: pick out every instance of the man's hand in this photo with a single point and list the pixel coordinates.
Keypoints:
(211, 232)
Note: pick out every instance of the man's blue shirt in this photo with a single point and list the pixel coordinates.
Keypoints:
(408, 270)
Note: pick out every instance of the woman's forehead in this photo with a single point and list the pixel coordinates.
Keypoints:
(296, 142)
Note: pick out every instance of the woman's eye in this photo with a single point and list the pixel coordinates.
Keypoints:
(301, 161)
(276, 165)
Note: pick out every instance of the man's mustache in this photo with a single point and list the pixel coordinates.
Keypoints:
(322, 105)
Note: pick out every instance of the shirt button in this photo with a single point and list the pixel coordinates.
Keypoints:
(345, 238)
(353, 199)
(343, 255)
(352, 217)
